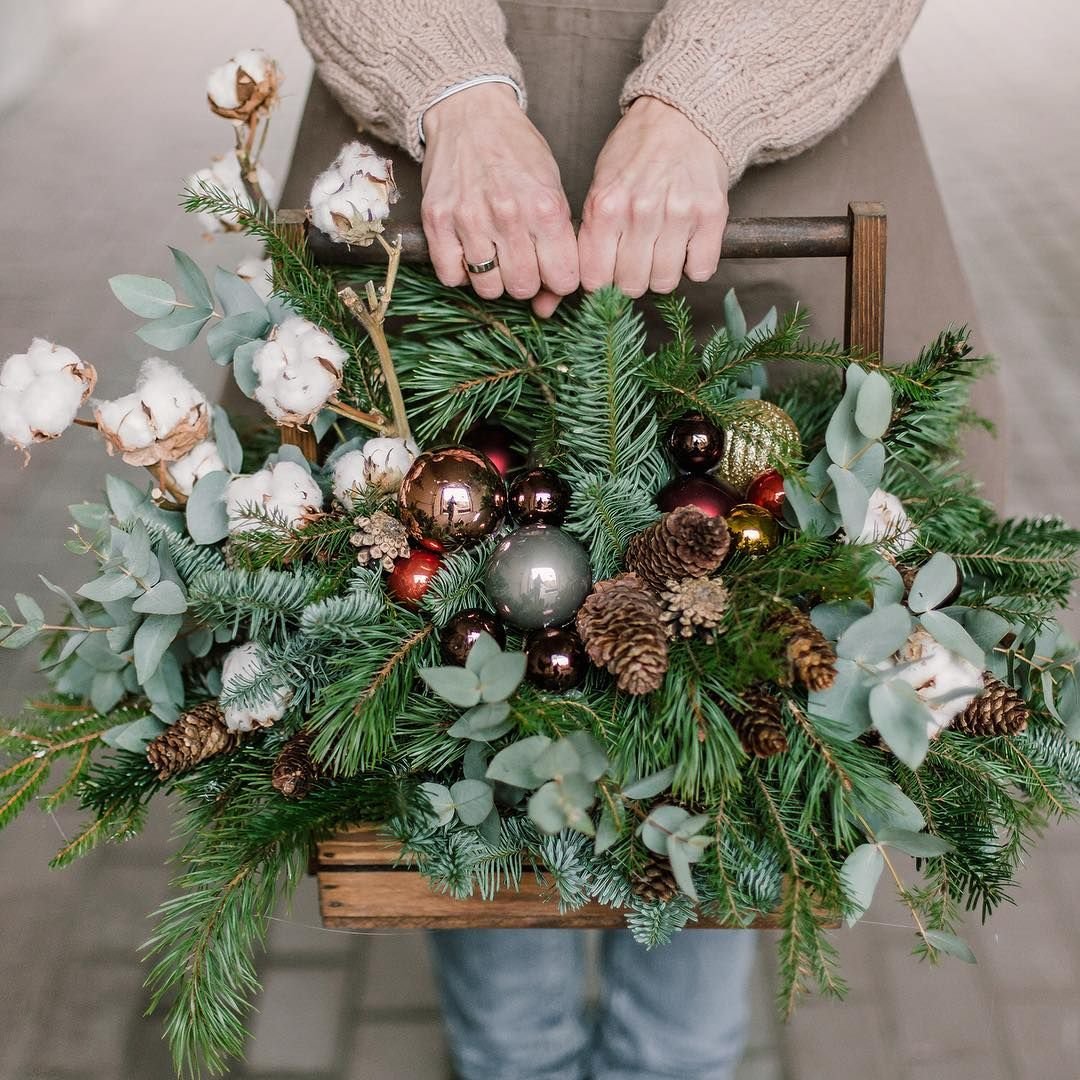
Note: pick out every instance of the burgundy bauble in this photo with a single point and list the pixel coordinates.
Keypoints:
(555, 659)
(411, 576)
(459, 635)
(707, 495)
(496, 443)
(695, 444)
(451, 497)
(767, 491)
(539, 496)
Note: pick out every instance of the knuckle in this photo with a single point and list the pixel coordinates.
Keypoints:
(504, 208)
(606, 205)
(680, 207)
(469, 217)
(643, 205)
(548, 208)
(435, 216)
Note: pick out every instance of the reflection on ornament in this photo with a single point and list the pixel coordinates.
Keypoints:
(555, 659)
(767, 491)
(410, 578)
(451, 497)
(538, 576)
(539, 495)
(759, 438)
(496, 443)
(459, 635)
(700, 491)
(695, 444)
(753, 529)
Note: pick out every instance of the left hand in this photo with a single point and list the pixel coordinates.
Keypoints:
(657, 206)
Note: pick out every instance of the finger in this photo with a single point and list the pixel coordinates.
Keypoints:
(444, 247)
(633, 260)
(668, 258)
(545, 302)
(703, 248)
(489, 283)
(603, 220)
(556, 246)
(517, 263)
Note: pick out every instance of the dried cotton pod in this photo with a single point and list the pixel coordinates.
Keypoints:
(245, 87)
(380, 463)
(244, 665)
(298, 369)
(351, 199)
(225, 175)
(285, 491)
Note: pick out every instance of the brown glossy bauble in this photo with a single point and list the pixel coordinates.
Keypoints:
(459, 635)
(555, 659)
(450, 498)
(410, 578)
(767, 491)
(539, 496)
(753, 530)
(700, 491)
(695, 444)
(496, 443)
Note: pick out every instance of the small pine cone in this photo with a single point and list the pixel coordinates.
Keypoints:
(621, 628)
(684, 543)
(380, 538)
(811, 658)
(694, 606)
(759, 726)
(655, 883)
(199, 734)
(295, 771)
(998, 710)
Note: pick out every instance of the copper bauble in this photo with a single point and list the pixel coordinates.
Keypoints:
(753, 529)
(459, 635)
(759, 437)
(700, 491)
(767, 491)
(496, 443)
(410, 578)
(451, 497)
(695, 444)
(555, 659)
(539, 496)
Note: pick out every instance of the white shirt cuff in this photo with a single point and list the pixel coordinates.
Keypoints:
(458, 87)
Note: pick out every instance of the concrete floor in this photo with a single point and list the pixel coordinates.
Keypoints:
(89, 166)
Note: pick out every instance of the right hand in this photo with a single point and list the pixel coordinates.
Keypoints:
(491, 187)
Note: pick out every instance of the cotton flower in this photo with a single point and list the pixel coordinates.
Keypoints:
(245, 86)
(299, 370)
(381, 463)
(162, 419)
(258, 274)
(224, 175)
(244, 664)
(203, 458)
(41, 391)
(285, 491)
(353, 197)
(886, 525)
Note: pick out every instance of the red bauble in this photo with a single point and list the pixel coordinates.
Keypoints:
(707, 495)
(767, 491)
(695, 444)
(411, 576)
(495, 442)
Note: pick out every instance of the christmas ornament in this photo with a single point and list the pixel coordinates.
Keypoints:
(759, 726)
(380, 539)
(684, 543)
(539, 495)
(620, 625)
(700, 492)
(555, 659)
(810, 656)
(998, 710)
(695, 444)
(199, 734)
(295, 772)
(352, 198)
(754, 530)
(694, 607)
(496, 443)
(538, 576)
(411, 576)
(451, 497)
(760, 436)
(459, 635)
(655, 882)
(767, 491)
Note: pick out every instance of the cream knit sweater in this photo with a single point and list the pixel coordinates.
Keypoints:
(763, 79)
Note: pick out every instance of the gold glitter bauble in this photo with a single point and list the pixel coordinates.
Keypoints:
(753, 529)
(759, 438)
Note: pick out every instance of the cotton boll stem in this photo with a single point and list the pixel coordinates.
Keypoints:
(375, 421)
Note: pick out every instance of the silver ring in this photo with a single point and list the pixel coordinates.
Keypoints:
(482, 267)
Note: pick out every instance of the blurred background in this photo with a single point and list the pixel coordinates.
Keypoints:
(101, 118)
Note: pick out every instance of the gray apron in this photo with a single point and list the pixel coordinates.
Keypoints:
(576, 55)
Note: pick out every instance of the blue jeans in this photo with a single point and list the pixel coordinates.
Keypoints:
(514, 1004)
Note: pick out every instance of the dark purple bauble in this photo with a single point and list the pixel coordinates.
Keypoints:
(539, 496)
(695, 444)
(459, 635)
(555, 659)
(496, 443)
(707, 495)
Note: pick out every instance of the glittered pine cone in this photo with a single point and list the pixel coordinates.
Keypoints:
(998, 710)
(620, 625)
(295, 771)
(655, 882)
(759, 726)
(810, 656)
(694, 607)
(684, 543)
(198, 735)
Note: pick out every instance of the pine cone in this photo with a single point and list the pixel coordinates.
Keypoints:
(684, 543)
(199, 734)
(759, 727)
(380, 538)
(998, 710)
(694, 606)
(655, 883)
(620, 625)
(295, 772)
(811, 658)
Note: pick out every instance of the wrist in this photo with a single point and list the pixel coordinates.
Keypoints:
(486, 100)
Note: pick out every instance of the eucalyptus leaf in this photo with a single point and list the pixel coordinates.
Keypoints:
(986, 628)
(649, 786)
(112, 585)
(243, 367)
(951, 944)
(138, 552)
(153, 637)
(887, 582)
(192, 280)
(20, 638)
(547, 810)
(953, 636)
(149, 297)
(869, 466)
(165, 598)
(833, 618)
(734, 319)
(845, 704)
(901, 719)
(514, 763)
(454, 684)
(859, 876)
(177, 330)
(100, 655)
(473, 800)
(485, 722)
(501, 675)
(229, 449)
(93, 516)
(607, 832)
(920, 845)
(873, 405)
(106, 691)
(934, 583)
(491, 827)
(125, 499)
(875, 636)
(843, 439)
(323, 422)
(659, 825)
(852, 497)
(133, 736)
(442, 802)
(227, 335)
(236, 295)
(475, 762)
(884, 805)
(485, 648)
(810, 514)
(30, 610)
(678, 857)
(206, 516)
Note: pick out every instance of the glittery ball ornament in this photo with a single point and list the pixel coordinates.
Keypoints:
(706, 494)
(767, 491)
(539, 496)
(460, 634)
(496, 443)
(411, 576)
(555, 659)
(760, 437)
(451, 497)
(753, 529)
(538, 576)
(695, 444)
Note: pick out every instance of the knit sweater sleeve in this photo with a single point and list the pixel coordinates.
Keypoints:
(386, 62)
(765, 79)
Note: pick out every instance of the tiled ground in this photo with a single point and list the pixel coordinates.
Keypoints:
(116, 125)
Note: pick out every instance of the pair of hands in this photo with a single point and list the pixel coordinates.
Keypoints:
(656, 208)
